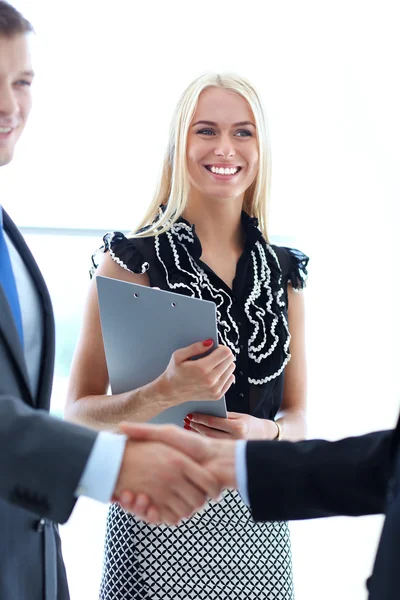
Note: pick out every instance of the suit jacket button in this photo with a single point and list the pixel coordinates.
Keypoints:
(40, 525)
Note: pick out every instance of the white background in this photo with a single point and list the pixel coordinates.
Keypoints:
(108, 77)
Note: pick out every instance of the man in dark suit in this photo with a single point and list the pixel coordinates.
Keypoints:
(303, 480)
(46, 463)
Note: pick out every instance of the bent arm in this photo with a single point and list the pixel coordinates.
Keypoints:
(41, 459)
(316, 478)
(87, 400)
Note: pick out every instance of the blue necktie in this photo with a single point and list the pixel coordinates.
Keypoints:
(7, 279)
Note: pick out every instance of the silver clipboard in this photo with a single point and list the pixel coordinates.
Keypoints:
(142, 327)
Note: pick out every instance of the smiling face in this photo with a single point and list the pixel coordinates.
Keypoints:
(222, 148)
(15, 95)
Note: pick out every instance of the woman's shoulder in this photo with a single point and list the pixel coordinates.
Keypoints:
(293, 264)
(128, 252)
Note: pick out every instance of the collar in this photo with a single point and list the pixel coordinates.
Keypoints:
(185, 233)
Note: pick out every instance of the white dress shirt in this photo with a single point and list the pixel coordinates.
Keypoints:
(241, 470)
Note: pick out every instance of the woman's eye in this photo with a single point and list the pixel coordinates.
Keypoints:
(23, 82)
(206, 132)
(243, 133)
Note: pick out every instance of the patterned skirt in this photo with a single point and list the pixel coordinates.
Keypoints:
(219, 553)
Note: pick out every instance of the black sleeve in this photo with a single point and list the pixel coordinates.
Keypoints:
(123, 250)
(317, 478)
(293, 264)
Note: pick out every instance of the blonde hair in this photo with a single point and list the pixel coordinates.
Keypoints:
(173, 186)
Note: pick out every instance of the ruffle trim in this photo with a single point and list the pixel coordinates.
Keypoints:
(297, 272)
(123, 251)
(178, 252)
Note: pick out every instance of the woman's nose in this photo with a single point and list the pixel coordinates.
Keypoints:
(225, 148)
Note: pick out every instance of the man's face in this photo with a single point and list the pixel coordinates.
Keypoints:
(16, 77)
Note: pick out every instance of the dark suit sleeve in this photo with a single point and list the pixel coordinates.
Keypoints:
(317, 478)
(41, 459)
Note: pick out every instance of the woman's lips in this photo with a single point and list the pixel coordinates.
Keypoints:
(223, 172)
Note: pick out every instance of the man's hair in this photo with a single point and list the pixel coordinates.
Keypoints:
(12, 22)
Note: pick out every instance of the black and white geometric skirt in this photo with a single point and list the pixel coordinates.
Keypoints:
(218, 554)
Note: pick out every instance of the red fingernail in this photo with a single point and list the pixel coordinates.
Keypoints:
(208, 343)
(186, 420)
(189, 416)
(187, 427)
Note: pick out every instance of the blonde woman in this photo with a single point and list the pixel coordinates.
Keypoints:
(205, 235)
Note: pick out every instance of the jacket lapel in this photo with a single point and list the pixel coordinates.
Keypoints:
(10, 334)
(48, 347)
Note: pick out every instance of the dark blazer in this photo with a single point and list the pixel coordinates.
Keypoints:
(41, 459)
(316, 478)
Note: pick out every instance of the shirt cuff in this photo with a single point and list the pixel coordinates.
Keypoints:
(241, 470)
(102, 468)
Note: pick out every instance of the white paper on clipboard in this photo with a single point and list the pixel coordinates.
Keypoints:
(142, 327)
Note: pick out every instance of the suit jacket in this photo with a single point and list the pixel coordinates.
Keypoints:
(316, 478)
(41, 459)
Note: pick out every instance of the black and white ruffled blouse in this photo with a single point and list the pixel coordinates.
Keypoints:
(252, 317)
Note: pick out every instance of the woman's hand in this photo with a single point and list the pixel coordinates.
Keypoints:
(207, 378)
(237, 426)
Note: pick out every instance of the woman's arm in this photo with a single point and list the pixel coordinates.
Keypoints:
(292, 415)
(87, 399)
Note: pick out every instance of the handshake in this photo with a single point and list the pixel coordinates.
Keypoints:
(167, 473)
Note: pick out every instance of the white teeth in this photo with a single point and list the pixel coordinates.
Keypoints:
(5, 129)
(222, 171)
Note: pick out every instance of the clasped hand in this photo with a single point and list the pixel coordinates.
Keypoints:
(167, 473)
